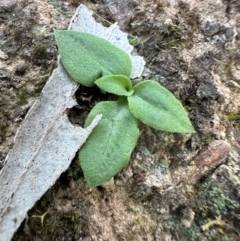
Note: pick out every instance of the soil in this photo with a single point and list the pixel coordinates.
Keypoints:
(176, 187)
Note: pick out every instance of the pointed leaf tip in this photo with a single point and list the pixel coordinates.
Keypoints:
(157, 107)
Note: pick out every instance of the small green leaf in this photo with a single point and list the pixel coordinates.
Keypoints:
(157, 107)
(109, 146)
(87, 57)
(115, 84)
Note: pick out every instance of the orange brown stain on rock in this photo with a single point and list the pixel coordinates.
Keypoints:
(213, 154)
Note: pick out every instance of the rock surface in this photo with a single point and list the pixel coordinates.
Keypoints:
(176, 187)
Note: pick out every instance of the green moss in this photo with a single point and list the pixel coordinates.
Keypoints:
(208, 138)
(233, 116)
(164, 166)
(183, 42)
(183, 233)
(137, 221)
(217, 202)
(69, 218)
(22, 100)
(225, 238)
(133, 40)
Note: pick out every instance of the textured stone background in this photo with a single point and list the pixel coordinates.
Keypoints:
(176, 187)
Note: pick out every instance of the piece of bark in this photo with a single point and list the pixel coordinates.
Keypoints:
(47, 142)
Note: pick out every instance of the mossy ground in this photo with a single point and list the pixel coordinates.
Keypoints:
(189, 50)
